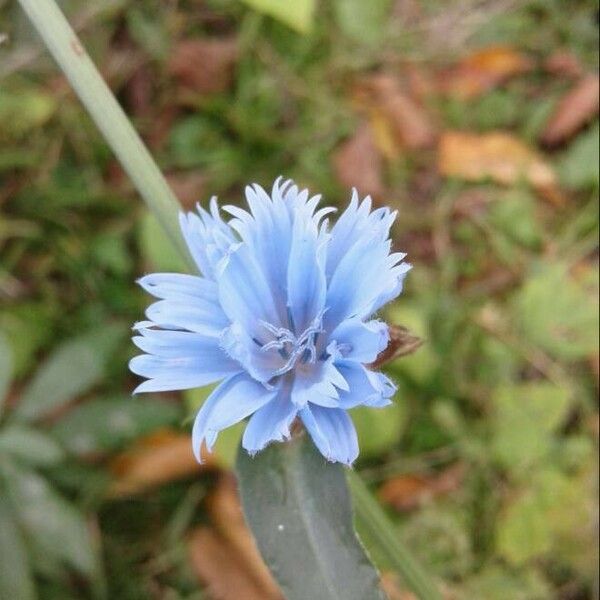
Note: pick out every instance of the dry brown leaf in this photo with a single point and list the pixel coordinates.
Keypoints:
(483, 70)
(402, 342)
(408, 122)
(391, 585)
(154, 460)
(226, 515)
(226, 558)
(188, 187)
(406, 492)
(222, 570)
(578, 107)
(564, 64)
(497, 155)
(357, 163)
(204, 66)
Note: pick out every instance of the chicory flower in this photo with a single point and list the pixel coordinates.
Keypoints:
(281, 315)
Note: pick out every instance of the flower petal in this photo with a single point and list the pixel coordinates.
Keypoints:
(201, 316)
(318, 383)
(365, 387)
(271, 423)
(176, 286)
(306, 284)
(361, 341)
(207, 236)
(166, 373)
(333, 433)
(232, 401)
(244, 292)
(359, 244)
(243, 348)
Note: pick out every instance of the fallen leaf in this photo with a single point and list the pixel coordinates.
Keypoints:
(204, 66)
(408, 122)
(407, 492)
(576, 108)
(390, 582)
(189, 187)
(497, 155)
(482, 71)
(226, 557)
(223, 571)
(357, 163)
(154, 460)
(138, 91)
(563, 63)
(402, 342)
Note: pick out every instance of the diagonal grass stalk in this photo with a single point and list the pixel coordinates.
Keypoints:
(371, 518)
(69, 53)
(74, 61)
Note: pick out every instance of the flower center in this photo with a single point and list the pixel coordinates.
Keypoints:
(293, 349)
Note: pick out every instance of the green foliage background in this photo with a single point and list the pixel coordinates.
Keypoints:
(506, 383)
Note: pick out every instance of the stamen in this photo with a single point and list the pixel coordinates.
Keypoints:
(290, 347)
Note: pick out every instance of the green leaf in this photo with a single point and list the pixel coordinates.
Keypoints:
(376, 527)
(299, 510)
(496, 583)
(27, 328)
(15, 574)
(298, 14)
(157, 248)
(72, 369)
(24, 110)
(54, 527)
(6, 368)
(558, 314)
(361, 21)
(580, 165)
(547, 518)
(515, 215)
(30, 446)
(378, 429)
(525, 417)
(109, 423)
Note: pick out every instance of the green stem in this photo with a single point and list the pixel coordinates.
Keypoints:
(370, 516)
(69, 53)
(97, 98)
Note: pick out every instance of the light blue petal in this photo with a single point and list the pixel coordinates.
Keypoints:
(240, 346)
(201, 316)
(333, 433)
(318, 383)
(362, 274)
(232, 401)
(394, 289)
(176, 286)
(269, 424)
(365, 387)
(181, 373)
(244, 292)
(306, 284)
(350, 295)
(355, 225)
(207, 236)
(194, 234)
(361, 341)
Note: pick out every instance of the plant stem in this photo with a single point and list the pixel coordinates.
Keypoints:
(71, 56)
(371, 516)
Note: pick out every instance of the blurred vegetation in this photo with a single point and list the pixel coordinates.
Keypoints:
(487, 459)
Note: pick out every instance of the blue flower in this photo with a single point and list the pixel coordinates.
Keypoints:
(281, 316)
